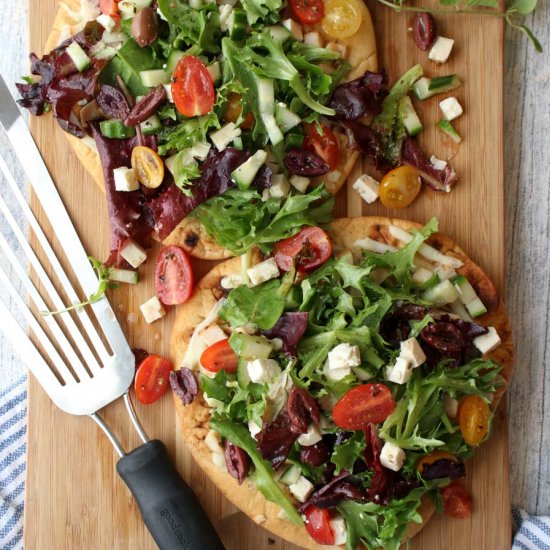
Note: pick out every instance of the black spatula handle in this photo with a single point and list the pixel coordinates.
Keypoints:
(169, 507)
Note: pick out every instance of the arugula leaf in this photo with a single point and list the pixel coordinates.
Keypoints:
(262, 9)
(184, 172)
(187, 133)
(216, 387)
(261, 305)
(263, 473)
(346, 454)
(239, 219)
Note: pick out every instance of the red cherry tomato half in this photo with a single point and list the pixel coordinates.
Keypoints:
(173, 276)
(310, 248)
(363, 405)
(318, 525)
(308, 12)
(220, 356)
(192, 87)
(456, 501)
(110, 8)
(152, 379)
(320, 139)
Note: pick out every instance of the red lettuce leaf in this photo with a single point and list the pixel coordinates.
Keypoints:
(289, 328)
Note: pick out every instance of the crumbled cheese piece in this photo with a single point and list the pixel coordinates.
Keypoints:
(400, 373)
(412, 352)
(336, 374)
(344, 356)
(231, 281)
(262, 272)
(152, 310)
(253, 428)
(294, 28)
(487, 342)
(107, 22)
(127, 8)
(213, 441)
(225, 135)
(168, 90)
(279, 186)
(218, 460)
(421, 275)
(125, 179)
(339, 530)
(450, 108)
(133, 253)
(313, 39)
(438, 164)
(368, 188)
(450, 405)
(263, 370)
(312, 436)
(392, 456)
(301, 489)
(212, 334)
(441, 50)
(225, 12)
(300, 183)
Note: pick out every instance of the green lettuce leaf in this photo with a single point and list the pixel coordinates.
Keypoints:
(187, 133)
(346, 454)
(262, 10)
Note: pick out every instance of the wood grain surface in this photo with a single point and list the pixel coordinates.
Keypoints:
(75, 500)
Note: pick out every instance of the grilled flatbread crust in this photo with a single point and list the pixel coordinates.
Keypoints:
(190, 234)
(195, 417)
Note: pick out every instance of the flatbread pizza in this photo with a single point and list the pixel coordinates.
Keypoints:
(350, 238)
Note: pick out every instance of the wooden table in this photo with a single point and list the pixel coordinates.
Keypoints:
(527, 139)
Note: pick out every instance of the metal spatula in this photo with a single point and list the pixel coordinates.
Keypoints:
(84, 365)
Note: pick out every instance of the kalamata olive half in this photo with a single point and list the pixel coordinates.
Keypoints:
(424, 30)
(112, 102)
(236, 460)
(145, 27)
(302, 410)
(305, 163)
(146, 107)
(184, 385)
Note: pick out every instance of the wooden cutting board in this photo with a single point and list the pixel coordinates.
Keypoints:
(74, 499)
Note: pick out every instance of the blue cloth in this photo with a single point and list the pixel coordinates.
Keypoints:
(532, 533)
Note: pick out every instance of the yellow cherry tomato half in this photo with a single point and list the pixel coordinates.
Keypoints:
(148, 166)
(400, 187)
(474, 417)
(342, 18)
(433, 457)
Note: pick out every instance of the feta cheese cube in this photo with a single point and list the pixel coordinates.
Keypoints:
(152, 310)
(106, 21)
(133, 253)
(450, 108)
(218, 460)
(261, 371)
(339, 530)
(231, 281)
(400, 373)
(127, 9)
(262, 272)
(168, 90)
(253, 428)
(212, 334)
(344, 356)
(225, 12)
(225, 135)
(441, 50)
(367, 188)
(392, 456)
(313, 39)
(336, 374)
(412, 352)
(450, 405)
(125, 179)
(301, 489)
(487, 342)
(312, 436)
(340, 49)
(279, 186)
(421, 275)
(213, 441)
(294, 28)
(300, 183)
(438, 164)
(213, 403)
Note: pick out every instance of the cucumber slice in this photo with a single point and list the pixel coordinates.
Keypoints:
(443, 293)
(294, 141)
(291, 476)
(468, 296)
(215, 71)
(154, 77)
(409, 117)
(173, 59)
(124, 276)
(78, 56)
(457, 307)
(151, 126)
(250, 347)
(428, 87)
(279, 33)
(242, 373)
(266, 95)
(237, 24)
(285, 118)
(244, 175)
(273, 131)
(238, 143)
(115, 129)
(447, 127)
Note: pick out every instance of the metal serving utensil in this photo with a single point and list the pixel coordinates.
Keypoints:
(84, 362)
